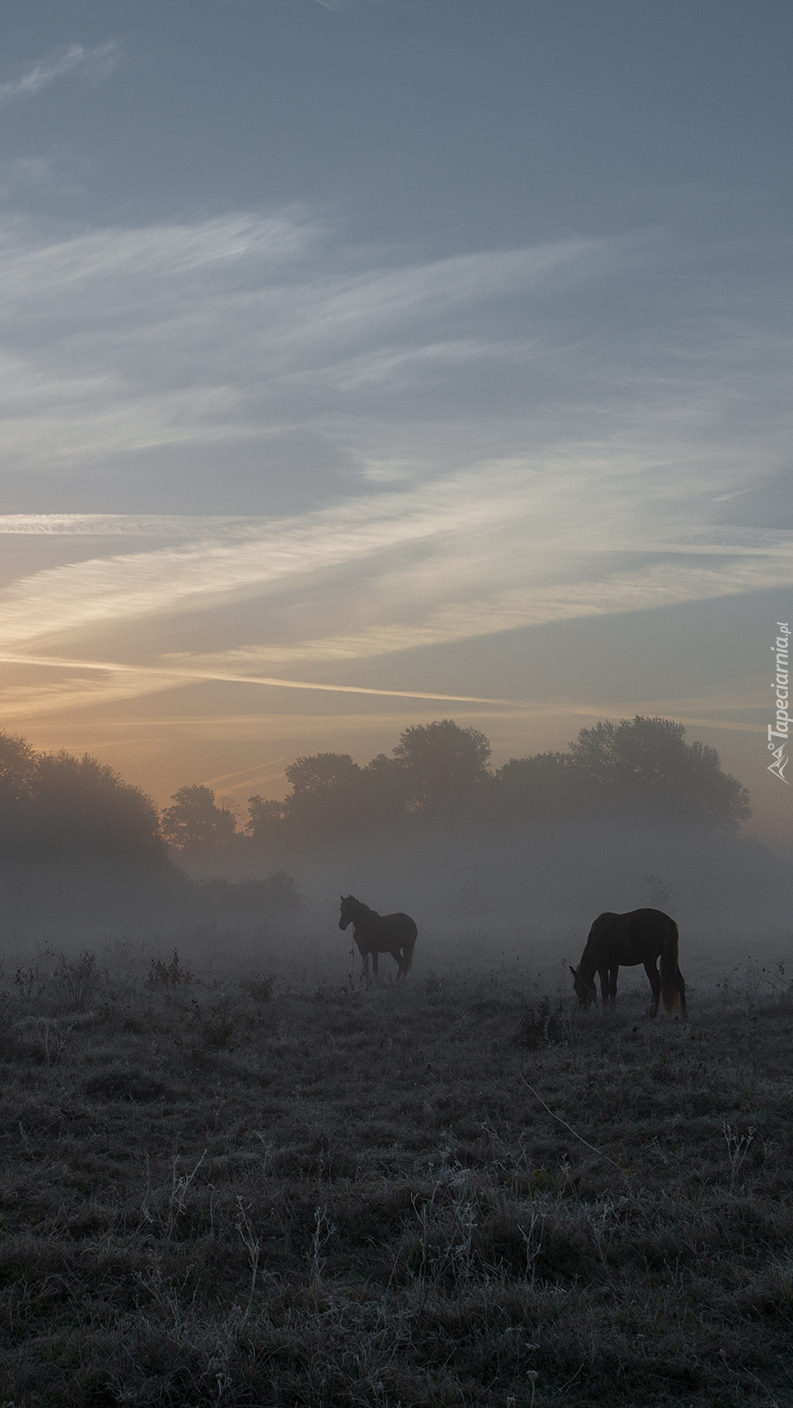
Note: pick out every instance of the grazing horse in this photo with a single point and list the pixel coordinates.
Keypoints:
(379, 933)
(642, 936)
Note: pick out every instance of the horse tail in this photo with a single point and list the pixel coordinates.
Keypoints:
(407, 951)
(670, 972)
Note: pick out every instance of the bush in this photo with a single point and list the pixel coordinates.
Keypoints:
(168, 975)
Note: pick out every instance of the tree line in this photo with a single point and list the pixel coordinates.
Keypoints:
(639, 769)
(54, 805)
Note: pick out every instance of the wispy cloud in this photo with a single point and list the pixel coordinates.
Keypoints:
(244, 776)
(90, 63)
(175, 674)
(222, 329)
(127, 525)
(482, 547)
(652, 586)
(511, 454)
(248, 328)
(486, 553)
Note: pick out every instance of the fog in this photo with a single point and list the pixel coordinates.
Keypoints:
(519, 903)
(503, 870)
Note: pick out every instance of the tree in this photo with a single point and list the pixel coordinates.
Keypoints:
(646, 763)
(82, 806)
(442, 765)
(546, 784)
(18, 768)
(265, 819)
(53, 805)
(382, 792)
(320, 774)
(18, 772)
(196, 821)
(324, 798)
(640, 768)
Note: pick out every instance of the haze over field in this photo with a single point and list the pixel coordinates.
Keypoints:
(370, 363)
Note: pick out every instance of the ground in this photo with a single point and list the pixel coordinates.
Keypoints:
(264, 1192)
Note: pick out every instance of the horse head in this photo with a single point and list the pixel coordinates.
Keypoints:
(349, 909)
(584, 991)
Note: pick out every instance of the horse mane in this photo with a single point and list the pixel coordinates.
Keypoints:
(361, 904)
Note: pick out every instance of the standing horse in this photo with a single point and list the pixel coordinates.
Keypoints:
(641, 936)
(379, 933)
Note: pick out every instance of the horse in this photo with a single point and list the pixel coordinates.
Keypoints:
(379, 933)
(641, 936)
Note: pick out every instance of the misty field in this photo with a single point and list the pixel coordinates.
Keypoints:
(248, 1190)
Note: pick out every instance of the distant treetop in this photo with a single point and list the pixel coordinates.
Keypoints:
(645, 764)
(640, 769)
(53, 805)
(195, 821)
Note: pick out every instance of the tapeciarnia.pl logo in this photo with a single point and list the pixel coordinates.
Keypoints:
(782, 717)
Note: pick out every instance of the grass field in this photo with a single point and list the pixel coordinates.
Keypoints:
(248, 1192)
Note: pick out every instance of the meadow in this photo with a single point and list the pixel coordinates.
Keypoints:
(246, 1188)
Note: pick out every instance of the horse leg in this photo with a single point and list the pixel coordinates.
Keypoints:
(613, 984)
(364, 952)
(396, 953)
(375, 962)
(603, 974)
(681, 987)
(655, 983)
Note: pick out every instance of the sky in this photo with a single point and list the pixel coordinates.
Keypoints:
(367, 362)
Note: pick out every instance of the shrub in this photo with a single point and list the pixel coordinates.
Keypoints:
(168, 975)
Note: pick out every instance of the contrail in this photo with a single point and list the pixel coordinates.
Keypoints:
(57, 662)
(242, 773)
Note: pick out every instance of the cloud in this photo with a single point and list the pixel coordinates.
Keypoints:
(500, 547)
(240, 326)
(89, 63)
(513, 527)
(513, 450)
(134, 585)
(617, 593)
(126, 525)
(487, 415)
(169, 676)
(243, 330)
(245, 775)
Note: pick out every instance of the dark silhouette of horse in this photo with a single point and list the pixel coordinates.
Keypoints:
(641, 936)
(379, 933)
